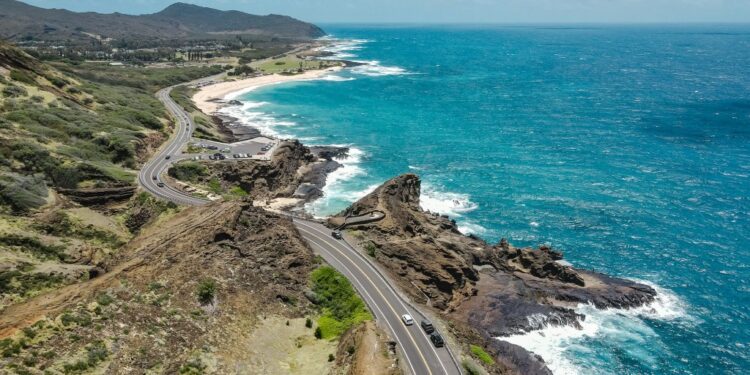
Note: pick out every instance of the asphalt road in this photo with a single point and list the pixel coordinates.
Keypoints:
(420, 356)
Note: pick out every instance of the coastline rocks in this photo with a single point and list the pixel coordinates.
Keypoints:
(496, 290)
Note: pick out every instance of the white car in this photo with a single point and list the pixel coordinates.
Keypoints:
(408, 320)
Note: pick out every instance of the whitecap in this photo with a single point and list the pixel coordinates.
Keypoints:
(374, 69)
(335, 78)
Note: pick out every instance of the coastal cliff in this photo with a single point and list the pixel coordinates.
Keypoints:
(484, 290)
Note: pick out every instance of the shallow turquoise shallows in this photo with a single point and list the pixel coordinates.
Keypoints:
(626, 147)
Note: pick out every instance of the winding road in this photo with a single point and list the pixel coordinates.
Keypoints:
(385, 302)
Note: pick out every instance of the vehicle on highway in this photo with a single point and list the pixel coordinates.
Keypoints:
(154, 178)
(408, 320)
(437, 340)
(236, 156)
(161, 184)
(427, 326)
(168, 157)
(336, 234)
(211, 157)
(212, 147)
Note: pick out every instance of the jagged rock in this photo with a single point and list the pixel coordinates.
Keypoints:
(496, 290)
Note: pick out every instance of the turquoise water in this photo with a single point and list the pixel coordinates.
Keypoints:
(626, 147)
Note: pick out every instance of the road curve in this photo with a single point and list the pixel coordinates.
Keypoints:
(421, 357)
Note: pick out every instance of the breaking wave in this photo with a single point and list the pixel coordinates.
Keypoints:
(562, 346)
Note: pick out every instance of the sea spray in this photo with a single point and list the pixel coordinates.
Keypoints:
(565, 348)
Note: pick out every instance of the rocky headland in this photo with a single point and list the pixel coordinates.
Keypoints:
(484, 290)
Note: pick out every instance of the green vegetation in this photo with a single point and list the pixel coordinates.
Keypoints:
(194, 367)
(33, 246)
(290, 63)
(95, 354)
(23, 284)
(77, 125)
(137, 77)
(206, 291)
(188, 171)
(370, 248)
(61, 224)
(471, 368)
(482, 355)
(342, 307)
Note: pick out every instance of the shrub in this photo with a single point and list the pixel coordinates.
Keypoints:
(188, 171)
(331, 358)
(308, 323)
(370, 248)
(206, 291)
(342, 307)
(14, 91)
(318, 333)
(21, 76)
(482, 355)
(471, 368)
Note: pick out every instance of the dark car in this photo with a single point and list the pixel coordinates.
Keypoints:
(336, 234)
(213, 147)
(154, 177)
(427, 326)
(437, 340)
(161, 184)
(168, 157)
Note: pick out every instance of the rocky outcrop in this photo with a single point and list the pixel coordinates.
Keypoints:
(495, 289)
(99, 196)
(294, 171)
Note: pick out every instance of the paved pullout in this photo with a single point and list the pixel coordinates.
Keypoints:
(421, 357)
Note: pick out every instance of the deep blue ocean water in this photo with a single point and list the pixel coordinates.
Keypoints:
(627, 147)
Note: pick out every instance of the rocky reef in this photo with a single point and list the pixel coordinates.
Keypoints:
(486, 290)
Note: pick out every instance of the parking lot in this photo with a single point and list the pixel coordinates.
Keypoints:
(260, 148)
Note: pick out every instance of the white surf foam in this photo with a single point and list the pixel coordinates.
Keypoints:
(335, 78)
(336, 184)
(374, 69)
(445, 203)
(624, 328)
(344, 49)
(249, 115)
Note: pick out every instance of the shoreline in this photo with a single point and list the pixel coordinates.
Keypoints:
(209, 99)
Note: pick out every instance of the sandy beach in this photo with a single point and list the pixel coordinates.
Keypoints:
(205, 99)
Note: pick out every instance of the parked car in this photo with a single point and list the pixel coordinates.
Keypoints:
(336, 234)
(212, 147)
(437, 340)
(427, 326)
(211, 157)
(236, 156)
(407, 319)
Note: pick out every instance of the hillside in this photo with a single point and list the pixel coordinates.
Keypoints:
(20, 21)
(226, 288)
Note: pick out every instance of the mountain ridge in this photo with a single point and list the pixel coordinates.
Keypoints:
(21, 21)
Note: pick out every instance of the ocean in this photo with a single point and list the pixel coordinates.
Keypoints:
(626, 147)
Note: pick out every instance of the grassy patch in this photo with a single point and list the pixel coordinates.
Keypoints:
(482, 355)
(342, 307)
(33, 245)
(188, 171)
